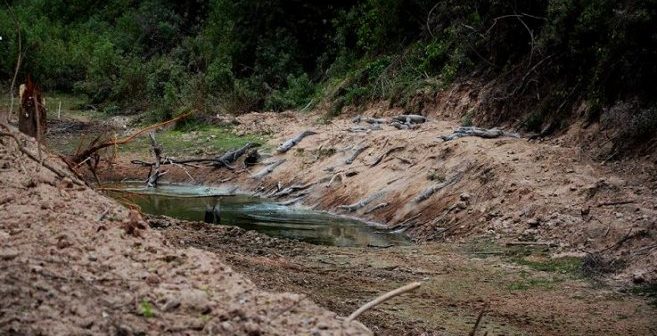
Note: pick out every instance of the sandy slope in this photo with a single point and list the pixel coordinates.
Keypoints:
(506, 188)
(75, 262)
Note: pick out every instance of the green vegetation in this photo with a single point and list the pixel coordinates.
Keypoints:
(167, 57)
(146, 309)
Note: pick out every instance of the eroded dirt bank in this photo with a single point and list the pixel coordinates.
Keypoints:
(505, 189)
(73, 262)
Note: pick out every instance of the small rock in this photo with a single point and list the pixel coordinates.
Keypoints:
(171, 304)
(585, 211)
(619, 215)
(638, 277)
(534, 222)
(67, 182)
(461, 205)
(464, 197)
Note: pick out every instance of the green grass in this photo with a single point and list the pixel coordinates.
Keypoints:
(649, 291)
(195, 141)
(146, 309)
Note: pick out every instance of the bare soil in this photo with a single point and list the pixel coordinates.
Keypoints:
(459, 280)
(73, 262)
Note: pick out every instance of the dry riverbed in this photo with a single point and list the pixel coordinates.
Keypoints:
(512, 190)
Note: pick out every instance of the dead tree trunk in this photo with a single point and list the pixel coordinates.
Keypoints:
(287, 145)
(155, 173)
(32, 112)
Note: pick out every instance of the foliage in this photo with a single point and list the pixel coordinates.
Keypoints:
(166, 56)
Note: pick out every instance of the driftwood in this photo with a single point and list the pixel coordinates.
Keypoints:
(435, 188)
(232, 155)
(335, 177)
(364, 129)
(357, 152)
(388, 152)
(293, 201)
(478, 132)
(287, 145)
(377, 207)
(368, 120)
(410, 119)
(155, 174)
(400, 126)
(387, 296)
(362, 203)
(267, 170)
(291, 189)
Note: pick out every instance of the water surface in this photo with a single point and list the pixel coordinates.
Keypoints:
(252, 213)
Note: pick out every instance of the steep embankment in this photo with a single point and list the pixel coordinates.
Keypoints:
(75, 262)
(509, 189)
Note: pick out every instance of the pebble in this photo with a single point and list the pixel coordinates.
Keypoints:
(533, 222)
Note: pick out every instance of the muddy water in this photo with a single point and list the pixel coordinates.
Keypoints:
(198, 203)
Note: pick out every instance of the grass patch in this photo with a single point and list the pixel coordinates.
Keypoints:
(195, 141)
(146, 309)
(649, 291)
(527, 282)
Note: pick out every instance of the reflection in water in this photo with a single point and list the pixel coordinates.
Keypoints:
(260, 215)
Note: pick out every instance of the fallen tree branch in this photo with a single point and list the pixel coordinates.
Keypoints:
(478, 132)
(287, 145)
(267, 170)
(92, 149)
(232, 156)
(155, 173)
(385, 297)
(410, 119)
(601, 204)
(377, 207)
(368, 120)
(479, 317)
(291, 189)
(335, 177)
(357, 152)
(362, 203)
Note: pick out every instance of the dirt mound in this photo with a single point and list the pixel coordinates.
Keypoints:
(75, 262)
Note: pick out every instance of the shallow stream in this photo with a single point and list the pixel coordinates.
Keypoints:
(220, 206)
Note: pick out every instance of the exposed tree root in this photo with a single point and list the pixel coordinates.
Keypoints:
(433, 189)
(388, 152)
(357, 152)
(362, 203)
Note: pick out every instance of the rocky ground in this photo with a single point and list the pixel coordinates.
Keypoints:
(74, 262)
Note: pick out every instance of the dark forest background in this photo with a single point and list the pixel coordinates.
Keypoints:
(166, 57)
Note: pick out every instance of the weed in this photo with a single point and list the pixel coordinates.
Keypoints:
(146, 309)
